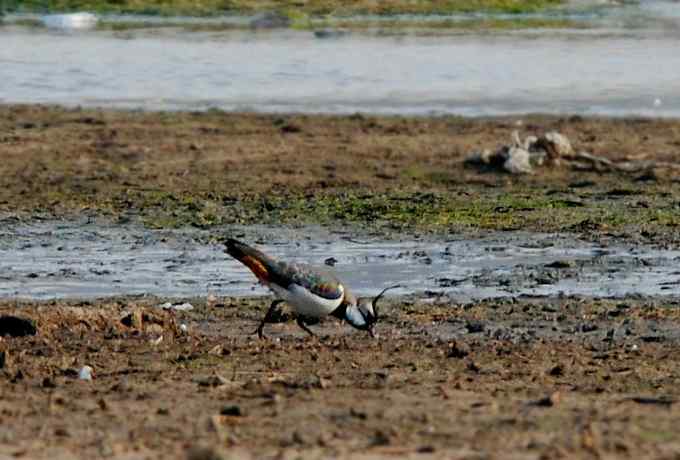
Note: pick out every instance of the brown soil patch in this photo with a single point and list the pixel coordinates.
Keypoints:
(96, 153)
(529, 379)
(175, 169)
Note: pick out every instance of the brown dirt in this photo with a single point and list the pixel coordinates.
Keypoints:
(531, 379)
(204, 169)
(97, 153)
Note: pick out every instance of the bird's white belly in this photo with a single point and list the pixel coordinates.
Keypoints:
(305, 302)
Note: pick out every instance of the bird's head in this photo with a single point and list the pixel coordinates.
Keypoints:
(362, 313)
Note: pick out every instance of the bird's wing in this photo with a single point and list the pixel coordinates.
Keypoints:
(317, 281)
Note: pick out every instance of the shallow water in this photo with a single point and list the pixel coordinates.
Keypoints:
(78, 259)
(616, 70)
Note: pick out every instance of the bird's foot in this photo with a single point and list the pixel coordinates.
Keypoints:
(259, 331)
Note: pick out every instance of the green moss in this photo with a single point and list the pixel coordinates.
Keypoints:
(440, 211)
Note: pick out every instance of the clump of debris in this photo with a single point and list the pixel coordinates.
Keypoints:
(555, 149)
(521, 157)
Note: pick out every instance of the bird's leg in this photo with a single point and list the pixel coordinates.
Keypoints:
(301, 323)
(267, 317)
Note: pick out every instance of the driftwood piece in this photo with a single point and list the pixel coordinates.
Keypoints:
(585, 161)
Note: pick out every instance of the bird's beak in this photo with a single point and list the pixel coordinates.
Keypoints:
(374, 302)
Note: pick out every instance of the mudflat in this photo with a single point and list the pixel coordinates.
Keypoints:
(384, 174)
(534, 378)
(518, 377)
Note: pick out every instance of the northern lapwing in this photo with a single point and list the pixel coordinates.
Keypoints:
(312, 292)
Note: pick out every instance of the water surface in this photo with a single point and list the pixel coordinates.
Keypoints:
(76, 259)
(612, 71)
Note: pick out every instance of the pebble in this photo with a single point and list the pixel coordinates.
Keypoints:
(85, 373)
(232, 410)
(518, 161)
(179, 306)
(458, 350)
(15, 326)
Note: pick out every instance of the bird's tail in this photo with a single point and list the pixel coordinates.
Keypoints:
(256, 261)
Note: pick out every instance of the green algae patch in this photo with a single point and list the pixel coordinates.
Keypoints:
(430, 212)
(289, 7)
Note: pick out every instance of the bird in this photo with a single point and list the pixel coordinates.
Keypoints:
(313, 293)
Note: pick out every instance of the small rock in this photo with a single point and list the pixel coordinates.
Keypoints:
(178, 306)
(322, 383)
(518, 161)
(299, 439)
(184, 328)
(85, 373)
(548, 401)
(61, 432)
(232, 410)
(556, 370)
(516, 141)
(474, 327)
(331, 261)
(537, 158)
(211, 381)
(561, 264)
(218, 350)
(361, 415)
(588, 327)
(555, 145)
(458, 350)
(15, 326)
(380, 439)
(528, 143)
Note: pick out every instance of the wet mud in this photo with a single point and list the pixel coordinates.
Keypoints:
(87, 259)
